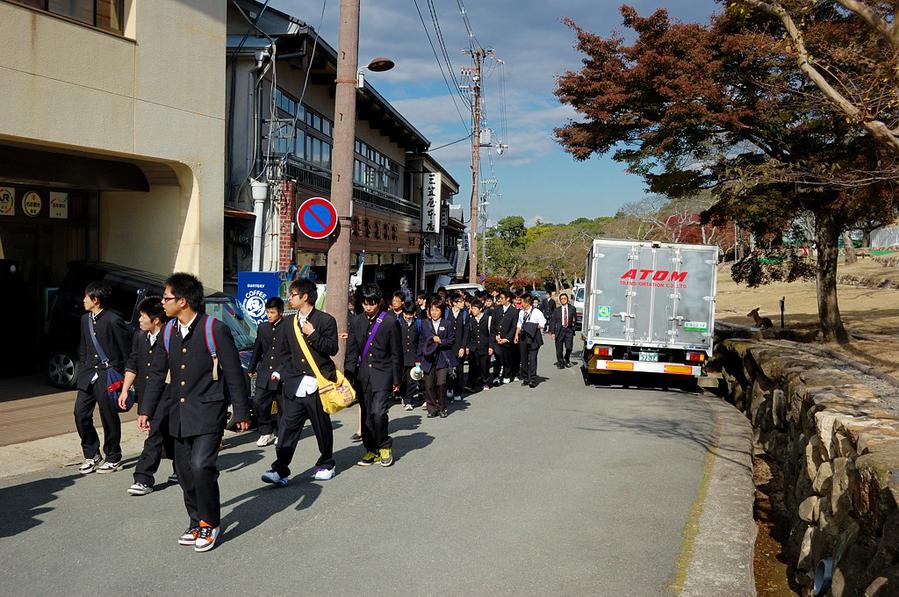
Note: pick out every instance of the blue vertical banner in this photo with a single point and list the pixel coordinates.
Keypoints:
(254, 289)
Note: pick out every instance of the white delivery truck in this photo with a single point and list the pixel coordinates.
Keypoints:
(649, 307)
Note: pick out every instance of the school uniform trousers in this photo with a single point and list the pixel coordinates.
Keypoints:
(113, 336)
(299, 403)
(459, 322)
(479, 352)
(373, 372)
(562, 323)
(504, 322)
(264, 362)
(159, 442)
(437, 359)
(409, 388)
(200, 390)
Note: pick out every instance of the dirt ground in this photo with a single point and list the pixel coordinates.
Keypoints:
(871, 310)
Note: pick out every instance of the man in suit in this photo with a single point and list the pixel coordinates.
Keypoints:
(529, 334)
(147, 340)
(300, 399)
(202, 367)
(548, 306)
(104, 328)
(374, 360)
(457, 316)
(479, 347)
(265, 361)
(505, 318)
(410, 329)
(562, 324)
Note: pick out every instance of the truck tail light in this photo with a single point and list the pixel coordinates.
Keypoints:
(696, 357)
(602, 351)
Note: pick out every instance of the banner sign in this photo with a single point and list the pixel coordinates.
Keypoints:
(254, 289)
(430, 207)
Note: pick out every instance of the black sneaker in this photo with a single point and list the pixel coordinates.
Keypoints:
(443, 414)
(432, 415)
(356, 437)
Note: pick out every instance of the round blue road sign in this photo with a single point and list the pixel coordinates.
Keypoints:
(317, 218)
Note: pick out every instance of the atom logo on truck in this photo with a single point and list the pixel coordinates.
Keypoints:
(658, 278)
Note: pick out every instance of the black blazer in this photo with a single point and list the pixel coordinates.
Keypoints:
(140, 360)
(266, 357)
(114, 337)
(504, 324)
(433, 355)
(479, 335)
(199, 404)
(555, 320)
(409, 336)
(322, 344)
(383, 365)
(460, 328)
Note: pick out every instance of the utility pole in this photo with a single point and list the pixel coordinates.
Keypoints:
(477, 56)
(342, 166)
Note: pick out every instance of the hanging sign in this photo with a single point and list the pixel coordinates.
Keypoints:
(7, 201)
(430, 205)
(59, 205)
(31, 204)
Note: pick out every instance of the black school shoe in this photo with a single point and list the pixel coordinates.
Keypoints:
(432, 415)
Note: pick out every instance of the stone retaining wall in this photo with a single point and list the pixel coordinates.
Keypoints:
(834, 433)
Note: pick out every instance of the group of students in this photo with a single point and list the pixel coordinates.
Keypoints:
(185, 369)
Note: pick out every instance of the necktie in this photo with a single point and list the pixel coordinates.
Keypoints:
(564, 317)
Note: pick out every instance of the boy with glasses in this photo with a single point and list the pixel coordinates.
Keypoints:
(201, 365)
(300, 401)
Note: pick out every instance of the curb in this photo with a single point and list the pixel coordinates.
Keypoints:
(717, 557)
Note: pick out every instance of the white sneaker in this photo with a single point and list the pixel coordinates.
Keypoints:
(139, 489)
(408, 407)
(89, 465)
(323, 474)
(276, 440)
(507, 380)
(206, 538)
(265, 440)
(110, 467)
(449, 394)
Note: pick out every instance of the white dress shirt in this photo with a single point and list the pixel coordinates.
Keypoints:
(534, 315)
(184, 329)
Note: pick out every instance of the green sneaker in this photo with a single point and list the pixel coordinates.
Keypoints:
(386, 456)
(369, 459)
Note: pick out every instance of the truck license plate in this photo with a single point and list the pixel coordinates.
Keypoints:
(649, 357)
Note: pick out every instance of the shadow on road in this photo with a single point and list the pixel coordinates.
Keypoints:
(22, 504)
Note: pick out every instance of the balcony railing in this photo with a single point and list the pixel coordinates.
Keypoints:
(316, 177)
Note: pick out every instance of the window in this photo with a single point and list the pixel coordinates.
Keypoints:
(376, 170)
(103, 14)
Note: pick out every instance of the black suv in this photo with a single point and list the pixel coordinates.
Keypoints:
(129, 287)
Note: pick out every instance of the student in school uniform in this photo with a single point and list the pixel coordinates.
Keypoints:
(421, 301)
(479, 347)
(374, 361)
(410, 329)
(504, 321)
(562, 325)
(103, 333)
(529, 333)
(300, 399)
(159, 442)
(458, 319)
(201, 364)
(265, 361)
(437, 356)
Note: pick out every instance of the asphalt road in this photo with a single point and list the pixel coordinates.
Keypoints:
(560, 490)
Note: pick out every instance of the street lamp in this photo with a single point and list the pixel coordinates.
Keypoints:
(377, 65)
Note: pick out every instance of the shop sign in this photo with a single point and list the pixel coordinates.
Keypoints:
(430, 208)
(254, 289)
(31, 204)
(7, 201)
(59, 205)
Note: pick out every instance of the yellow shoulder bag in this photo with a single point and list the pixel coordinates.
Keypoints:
(335, 396)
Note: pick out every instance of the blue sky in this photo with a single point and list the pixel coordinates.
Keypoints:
(536, 179)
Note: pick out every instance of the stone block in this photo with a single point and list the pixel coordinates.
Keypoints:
(885, 585)
(809, 509)
(823, 479)
(805, 560)
(778, 408)
(843, 446)
(840, 501)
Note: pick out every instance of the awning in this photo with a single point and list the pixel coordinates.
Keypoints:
(461, 262)
(243, 214)
(437, 264)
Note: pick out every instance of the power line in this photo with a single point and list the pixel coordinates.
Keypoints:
(465, 138)
(440, 66)
(442, 43)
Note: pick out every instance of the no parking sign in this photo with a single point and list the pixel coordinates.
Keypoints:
(317, 218)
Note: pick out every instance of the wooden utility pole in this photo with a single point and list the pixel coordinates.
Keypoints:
(342, 166)
(477, 56)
